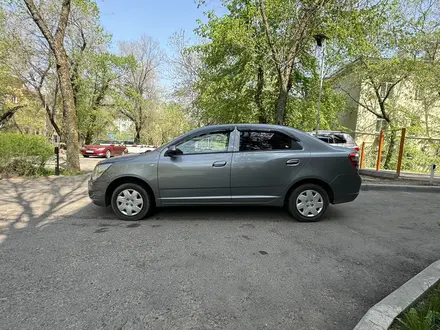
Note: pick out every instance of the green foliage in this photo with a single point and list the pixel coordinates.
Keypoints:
(95, 86)
(424, 316)
(238, 79)
(169, 123)
(23, 154)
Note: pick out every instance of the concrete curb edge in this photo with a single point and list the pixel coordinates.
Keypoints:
(394, 187)
(383, 314)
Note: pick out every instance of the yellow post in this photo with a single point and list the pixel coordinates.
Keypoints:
(402, 145)
(363, 155)
(379, 153)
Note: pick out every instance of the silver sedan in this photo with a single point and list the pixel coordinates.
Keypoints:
(243, 164)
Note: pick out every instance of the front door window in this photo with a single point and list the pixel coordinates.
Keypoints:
(207, 143)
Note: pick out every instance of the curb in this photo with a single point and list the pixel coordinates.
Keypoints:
(378, 174)
(395, 187)
(383, 314)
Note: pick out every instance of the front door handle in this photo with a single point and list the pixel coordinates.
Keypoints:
(292, 162)
(218, 164)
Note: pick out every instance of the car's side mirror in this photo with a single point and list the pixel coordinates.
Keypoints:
(112, 145)
(173, 152)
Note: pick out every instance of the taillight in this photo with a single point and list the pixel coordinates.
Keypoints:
(357, 148)
(354, 159)
(155, 147)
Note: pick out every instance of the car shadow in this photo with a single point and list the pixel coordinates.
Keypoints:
(36, 203)
(227, 213)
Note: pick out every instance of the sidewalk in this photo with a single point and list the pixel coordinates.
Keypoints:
(390, 177)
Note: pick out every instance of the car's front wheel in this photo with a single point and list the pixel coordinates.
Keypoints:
(308, 202)
(131, 201)
(108, 154)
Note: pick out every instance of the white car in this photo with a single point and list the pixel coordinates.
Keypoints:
(134, 148)
(337, 138)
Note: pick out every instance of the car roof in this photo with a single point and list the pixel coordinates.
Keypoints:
(323, 132)
(249, 127)
(311, 141)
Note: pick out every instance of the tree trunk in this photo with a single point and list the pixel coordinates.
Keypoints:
(281, 104)
(390, 151)
(262, 119)
(70, 132)
(56, 44)
(137, 137)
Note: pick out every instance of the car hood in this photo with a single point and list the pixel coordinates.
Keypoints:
(95, 146)
(129, 158)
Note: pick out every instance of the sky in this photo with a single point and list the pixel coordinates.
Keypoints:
(159, 19)
(129, 19)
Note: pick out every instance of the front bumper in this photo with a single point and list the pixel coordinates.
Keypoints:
(97, 191)
(95, 153)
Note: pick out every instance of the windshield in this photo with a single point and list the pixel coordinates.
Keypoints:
(105, 142)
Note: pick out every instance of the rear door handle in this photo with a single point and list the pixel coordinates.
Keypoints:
(218, 164)
(292, 162)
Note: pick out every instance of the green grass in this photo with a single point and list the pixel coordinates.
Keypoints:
(41, 171)
(425, 315)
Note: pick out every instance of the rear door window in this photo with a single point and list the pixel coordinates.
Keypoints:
(266, 141)
(339, 138)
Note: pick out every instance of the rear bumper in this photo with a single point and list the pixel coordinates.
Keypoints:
(345, 188)
(97, 192)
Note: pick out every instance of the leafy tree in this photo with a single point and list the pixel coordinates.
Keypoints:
(139, 88)
(56, 44)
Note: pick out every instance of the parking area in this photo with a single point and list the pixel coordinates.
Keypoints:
(68, 264)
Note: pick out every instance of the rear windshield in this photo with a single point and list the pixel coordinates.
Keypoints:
(332, 138)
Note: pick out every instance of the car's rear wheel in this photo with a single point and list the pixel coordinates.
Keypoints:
(308, 202)
(108, 154)
(131, 201)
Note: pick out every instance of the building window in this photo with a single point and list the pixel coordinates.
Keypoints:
(385, 88)
(381, 124)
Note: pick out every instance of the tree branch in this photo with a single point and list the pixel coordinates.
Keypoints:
(393, 85)
(129, 116)
(268, 37)
(8, 114)
(363, 105)
(62, 23)
(40, 22)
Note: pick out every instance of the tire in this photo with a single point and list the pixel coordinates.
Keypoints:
(108, 154)
(132, 191)
(312, 195)
(86, 156)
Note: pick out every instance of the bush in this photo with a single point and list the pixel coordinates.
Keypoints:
(23, 154)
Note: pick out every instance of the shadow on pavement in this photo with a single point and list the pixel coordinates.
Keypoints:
(35, 202)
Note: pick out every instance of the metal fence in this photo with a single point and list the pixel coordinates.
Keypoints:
(396, 151)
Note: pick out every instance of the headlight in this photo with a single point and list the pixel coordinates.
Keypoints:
(99, 169)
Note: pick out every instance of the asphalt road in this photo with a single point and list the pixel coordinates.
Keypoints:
(67, 264)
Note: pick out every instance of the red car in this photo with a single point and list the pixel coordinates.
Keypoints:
(104, 148)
